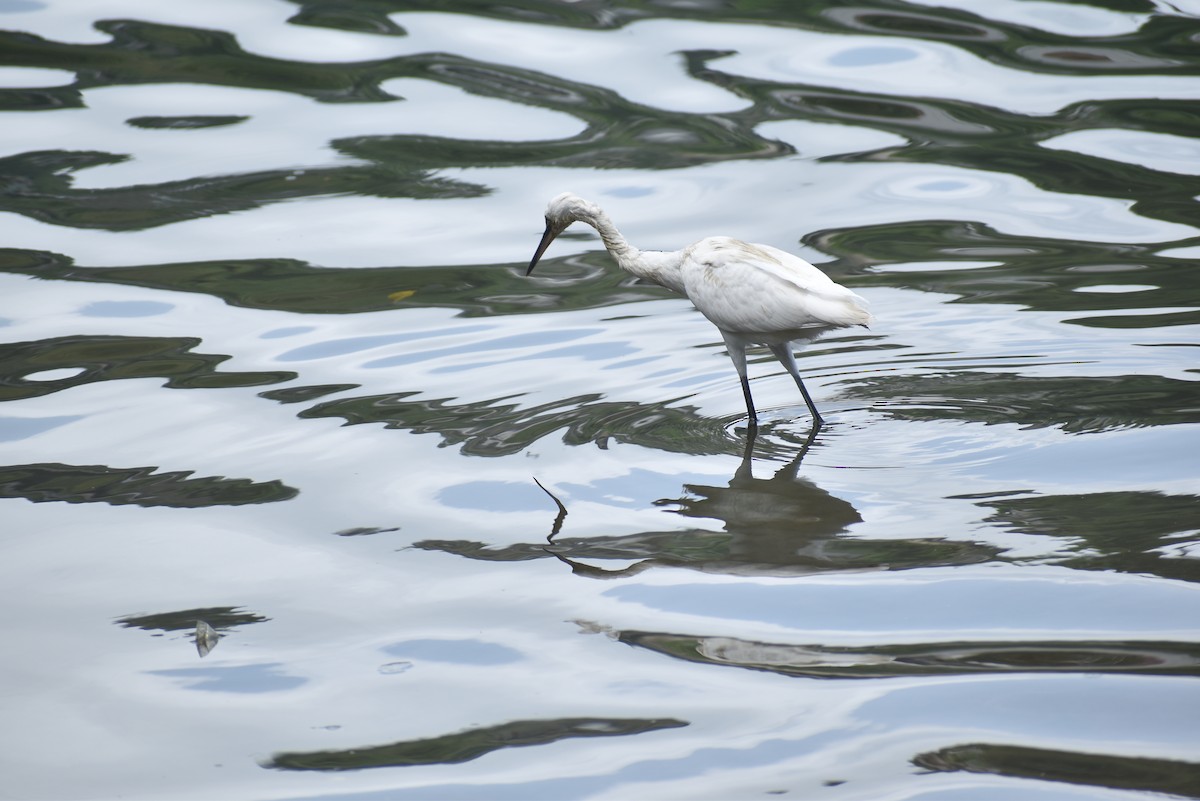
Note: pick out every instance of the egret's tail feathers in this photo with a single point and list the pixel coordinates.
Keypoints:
(843, 308)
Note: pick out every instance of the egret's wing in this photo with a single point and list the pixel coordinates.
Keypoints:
(751, 289)
(790, 267)
(809, 278)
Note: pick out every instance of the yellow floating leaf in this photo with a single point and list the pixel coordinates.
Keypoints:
(402, 294)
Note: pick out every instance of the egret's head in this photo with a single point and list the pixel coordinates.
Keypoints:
(562, 211)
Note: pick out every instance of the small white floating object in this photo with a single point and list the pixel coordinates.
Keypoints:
(206, 638)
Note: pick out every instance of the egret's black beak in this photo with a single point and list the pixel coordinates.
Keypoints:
(547, 238)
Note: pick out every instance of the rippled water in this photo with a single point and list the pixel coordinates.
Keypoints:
(269, 361)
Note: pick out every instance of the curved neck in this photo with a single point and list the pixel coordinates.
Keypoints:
(625, 253)
(659, 267)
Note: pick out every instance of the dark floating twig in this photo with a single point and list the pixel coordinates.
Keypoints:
(579, 568)
(562, 511)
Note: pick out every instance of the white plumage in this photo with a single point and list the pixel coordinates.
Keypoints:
(753, 294)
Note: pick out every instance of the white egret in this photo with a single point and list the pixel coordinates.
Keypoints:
(753, 294)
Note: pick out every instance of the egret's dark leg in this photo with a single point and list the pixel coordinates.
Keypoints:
(783, 352)
(737, 354)
(812, 407)
(752, 427)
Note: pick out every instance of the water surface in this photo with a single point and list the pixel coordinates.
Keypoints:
(269, 360)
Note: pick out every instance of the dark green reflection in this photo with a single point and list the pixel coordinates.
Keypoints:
(185, 122)
(361, 17)
(1090, 770)
(1133, 532)
(139, 486)
(47, 195)
(1035, 273)
(496, 428)
(926, 659)
(971, 136)
(287, 285)
(617, 132)
(110, 358)
(145, 52)
(471, 744)
(1163, 45)
(220, 618)
(628, 137)
(305, 393)
(1079, 404)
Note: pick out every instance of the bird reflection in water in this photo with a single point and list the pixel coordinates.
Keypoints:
(782, 525)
